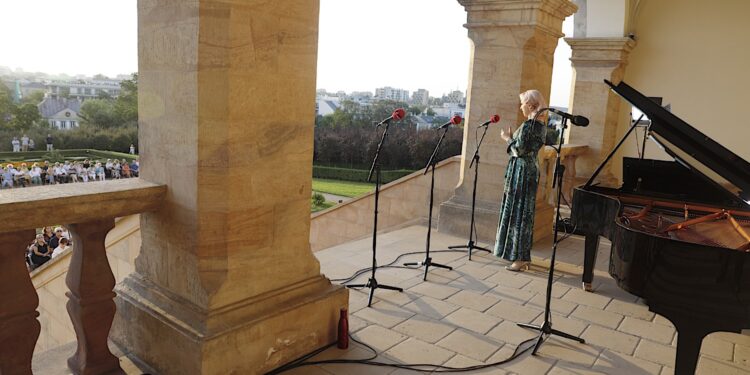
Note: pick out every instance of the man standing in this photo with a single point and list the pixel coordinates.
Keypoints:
(25, 143)
(16, 144)
(49, 142)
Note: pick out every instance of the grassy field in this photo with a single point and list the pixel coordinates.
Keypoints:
(316, 208)
(343, 188)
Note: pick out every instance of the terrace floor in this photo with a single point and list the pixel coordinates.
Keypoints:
(468, 316)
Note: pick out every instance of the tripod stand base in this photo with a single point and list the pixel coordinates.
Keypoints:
(427, 262)
(469, 247)
(372, 283)
(545, 330)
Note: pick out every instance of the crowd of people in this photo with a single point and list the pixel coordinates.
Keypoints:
(66, 172)
(46, 246)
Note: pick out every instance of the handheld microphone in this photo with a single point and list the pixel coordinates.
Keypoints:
(397, 115)
(575, 120)
(492, 120)
(455, 120)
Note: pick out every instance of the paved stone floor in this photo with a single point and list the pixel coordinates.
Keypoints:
(467, 316)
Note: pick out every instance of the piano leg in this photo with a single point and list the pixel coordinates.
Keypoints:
(689, 340)
(589, 260)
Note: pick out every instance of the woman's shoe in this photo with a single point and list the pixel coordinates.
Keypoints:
(518, 266)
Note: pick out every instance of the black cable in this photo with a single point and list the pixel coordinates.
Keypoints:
(424, 367)
(390, 265)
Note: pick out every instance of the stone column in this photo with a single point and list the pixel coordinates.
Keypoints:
(226, 282)
(513, 45)
(19, 326)
(594, 60)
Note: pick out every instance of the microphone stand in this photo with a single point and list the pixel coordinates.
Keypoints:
(427, 262)
(546, 328)
(475, 159)
(372, 282)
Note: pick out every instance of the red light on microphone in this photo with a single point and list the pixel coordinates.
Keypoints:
(455, 120)
(398, 114)
(495, 119)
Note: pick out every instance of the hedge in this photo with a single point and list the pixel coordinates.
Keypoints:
(360, 175)
(67, 154)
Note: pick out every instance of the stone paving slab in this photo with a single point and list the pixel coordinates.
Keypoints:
(468, 316)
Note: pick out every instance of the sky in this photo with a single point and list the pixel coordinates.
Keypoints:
(363, 44)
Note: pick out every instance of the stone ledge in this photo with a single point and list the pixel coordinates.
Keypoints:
(79, 202)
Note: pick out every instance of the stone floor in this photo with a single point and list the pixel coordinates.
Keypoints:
(467, 316)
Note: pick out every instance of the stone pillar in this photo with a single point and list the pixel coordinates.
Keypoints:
(19, 326)
(90, 300)
(513, 45)
(594, 60)
(226, 282)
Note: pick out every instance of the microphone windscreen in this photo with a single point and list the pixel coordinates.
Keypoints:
(455, 120)
(580, 121)
(398, 114)
(495, 118)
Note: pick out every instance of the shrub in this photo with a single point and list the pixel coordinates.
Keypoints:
(318, 199)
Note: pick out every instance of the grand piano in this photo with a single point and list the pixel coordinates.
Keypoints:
(679, 229)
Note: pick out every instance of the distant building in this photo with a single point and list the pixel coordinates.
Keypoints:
(360, 97)
(450, 110)
(84, 90)
(326, 105)
(390, 93)
(454, 97)
(60, 113)
(421, 97)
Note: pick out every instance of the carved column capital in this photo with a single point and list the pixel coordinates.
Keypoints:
(546, 15)
(600, 51)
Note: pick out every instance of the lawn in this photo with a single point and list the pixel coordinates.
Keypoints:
(316, 208)
(343, 188)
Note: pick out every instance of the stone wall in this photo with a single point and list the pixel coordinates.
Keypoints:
(403, 201)
(123, 244)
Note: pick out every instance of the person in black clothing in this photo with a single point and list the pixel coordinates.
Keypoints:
(44, 167)
(49, 142)
(39, 252)
(55, 240)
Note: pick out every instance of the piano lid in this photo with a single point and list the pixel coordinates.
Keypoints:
(691, 148)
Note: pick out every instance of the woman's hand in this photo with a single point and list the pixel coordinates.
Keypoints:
(505, 134)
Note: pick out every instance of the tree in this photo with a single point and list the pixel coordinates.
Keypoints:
(126, 105)
(99, 113)
(6, 107)
(25, 116)
(35, 97)
(100, 77)
(429, 112)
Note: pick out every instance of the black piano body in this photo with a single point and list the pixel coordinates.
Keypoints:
(674, 230)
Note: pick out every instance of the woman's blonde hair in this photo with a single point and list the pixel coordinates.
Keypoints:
(534, 98)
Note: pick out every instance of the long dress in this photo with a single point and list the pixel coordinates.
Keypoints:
(516, 226)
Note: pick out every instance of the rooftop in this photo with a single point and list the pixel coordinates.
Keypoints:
(468, 316)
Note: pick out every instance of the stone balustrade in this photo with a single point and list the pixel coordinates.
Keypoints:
(88, 211)
(568, 156)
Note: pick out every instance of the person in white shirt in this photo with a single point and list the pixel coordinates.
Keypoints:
(62, 246)
(25, 143)
(16, 144)
(36, 174)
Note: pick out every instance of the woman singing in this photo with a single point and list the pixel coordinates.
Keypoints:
(516, 228)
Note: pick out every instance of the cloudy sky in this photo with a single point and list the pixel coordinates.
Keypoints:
(364, 44)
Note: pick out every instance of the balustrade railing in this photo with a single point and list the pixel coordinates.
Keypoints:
(88, 211)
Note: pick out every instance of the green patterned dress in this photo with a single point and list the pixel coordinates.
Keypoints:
(516, 227)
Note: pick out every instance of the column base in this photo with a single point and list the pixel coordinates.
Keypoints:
(254, 336)
(455, 217)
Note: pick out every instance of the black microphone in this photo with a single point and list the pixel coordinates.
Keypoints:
(397, 115)
(575, 120)
(455, 120)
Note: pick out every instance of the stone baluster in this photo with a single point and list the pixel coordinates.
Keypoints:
(19, 327)
(91, 306)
